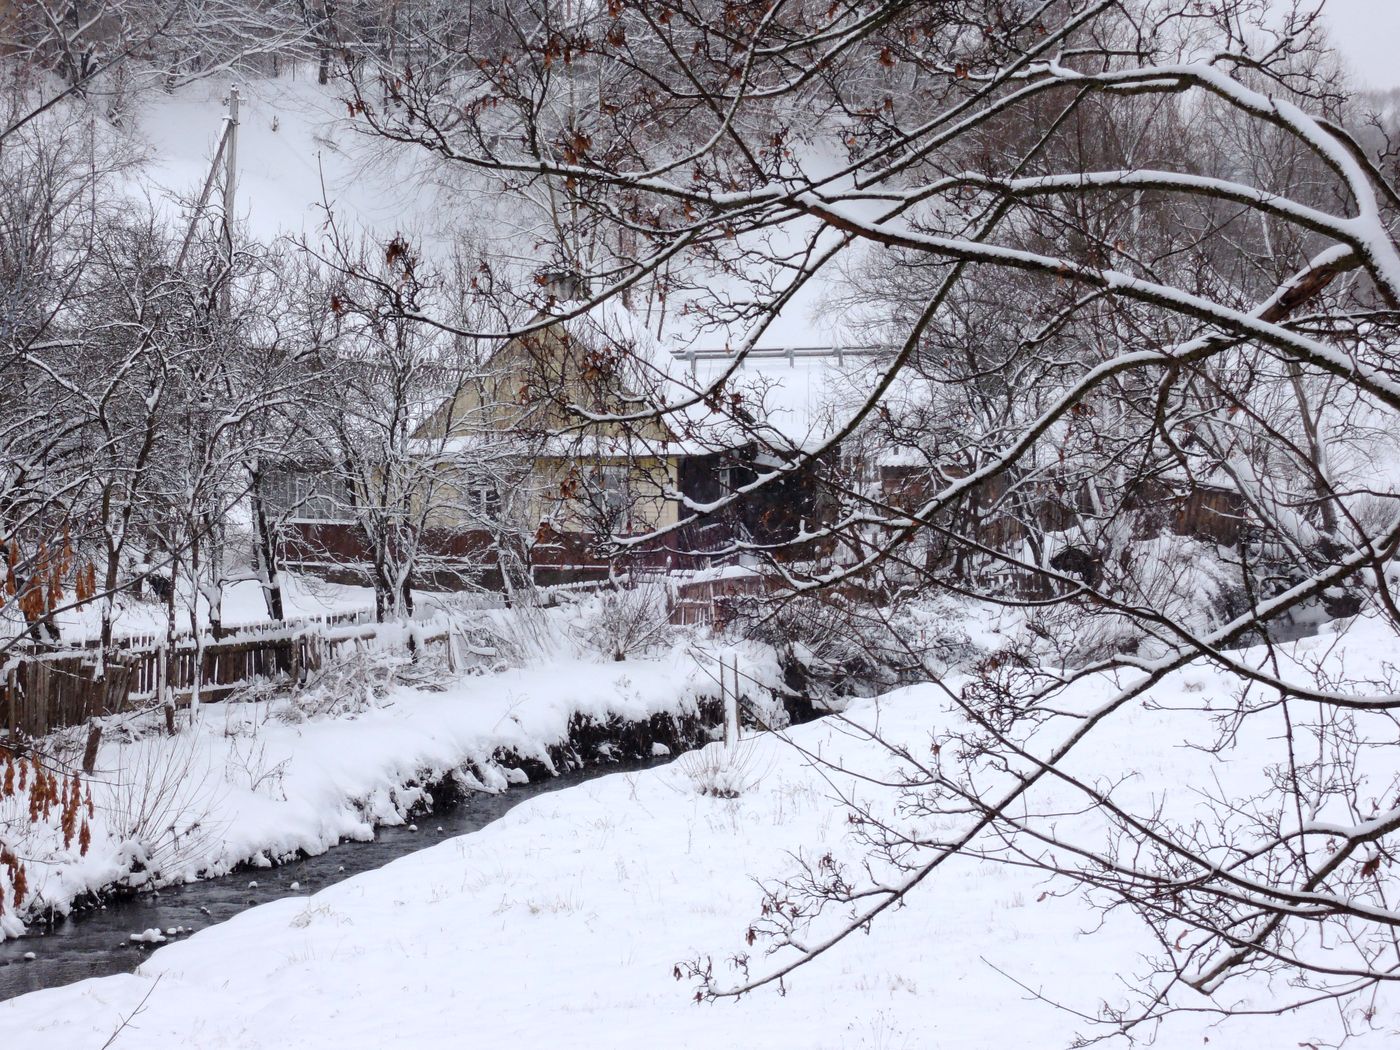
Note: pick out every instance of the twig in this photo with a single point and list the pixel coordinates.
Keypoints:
(141, 1006)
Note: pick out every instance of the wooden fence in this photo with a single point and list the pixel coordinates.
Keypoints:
(44, 692)
(40, 695)
(223, 666)
(712, 602)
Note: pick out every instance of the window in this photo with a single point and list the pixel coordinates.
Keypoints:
(304, 495)
(616, 496)
(730, 478)
(483, 501)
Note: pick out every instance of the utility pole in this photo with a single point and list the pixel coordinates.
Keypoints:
(230, 185)
(225, 156)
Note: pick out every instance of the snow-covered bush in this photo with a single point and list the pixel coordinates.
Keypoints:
(723, 770)
(1183, 577)
(527, 634)
(624, 622)
(157, 800)
(350, 684)
(615, 623)
(831, 647)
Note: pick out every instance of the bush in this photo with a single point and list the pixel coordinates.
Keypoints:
(832, 647)
(624, 622)
(725, 771)
(158, 801)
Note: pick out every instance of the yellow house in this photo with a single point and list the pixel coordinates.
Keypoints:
(555, 434)
(551, 448)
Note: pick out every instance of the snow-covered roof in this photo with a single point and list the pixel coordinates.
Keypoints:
(792, 397)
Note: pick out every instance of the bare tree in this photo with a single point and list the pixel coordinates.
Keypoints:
(1116, 324)
(409, 436)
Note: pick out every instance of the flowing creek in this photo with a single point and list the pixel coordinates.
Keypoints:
(97, 942)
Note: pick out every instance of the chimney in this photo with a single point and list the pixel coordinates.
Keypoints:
(564, 286)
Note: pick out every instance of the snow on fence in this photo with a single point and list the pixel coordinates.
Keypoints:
(151, 639)
(711, 602)
(44, 692)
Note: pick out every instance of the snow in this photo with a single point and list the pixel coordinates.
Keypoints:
(796, 397)
(297, 150)
(255, 782)
(562, 924)
(243, 606)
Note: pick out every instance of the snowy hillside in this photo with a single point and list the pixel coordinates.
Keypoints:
(296, 151)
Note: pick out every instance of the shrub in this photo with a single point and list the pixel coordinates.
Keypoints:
(725, 770)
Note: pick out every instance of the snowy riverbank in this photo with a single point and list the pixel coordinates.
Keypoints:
(257, 782)
(562, 923)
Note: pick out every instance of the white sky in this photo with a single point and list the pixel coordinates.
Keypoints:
(1367, 33)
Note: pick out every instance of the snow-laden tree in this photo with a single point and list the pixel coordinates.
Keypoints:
(141, 378)
(408, 437)
(59, 177)
(99, 46)
(1125, 253)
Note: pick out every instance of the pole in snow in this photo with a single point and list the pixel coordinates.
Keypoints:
(230, 186)
(731, 706)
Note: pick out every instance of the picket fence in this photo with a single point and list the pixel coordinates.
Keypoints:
(43, 692)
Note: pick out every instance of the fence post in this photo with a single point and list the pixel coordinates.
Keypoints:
(94, 739)
(11, 689)
(164, 689)
(40, 725)
(731, 705)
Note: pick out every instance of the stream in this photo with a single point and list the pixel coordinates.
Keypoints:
(97, 942)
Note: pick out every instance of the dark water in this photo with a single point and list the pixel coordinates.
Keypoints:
(1291, 628)
(97, 942)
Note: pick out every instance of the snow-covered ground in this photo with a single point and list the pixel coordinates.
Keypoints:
(562, 925)
(258, 781)
(297, 153)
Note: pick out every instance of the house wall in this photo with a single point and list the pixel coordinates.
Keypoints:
(647, 479)
(554, 476)
(522, 392)
(524, 389)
